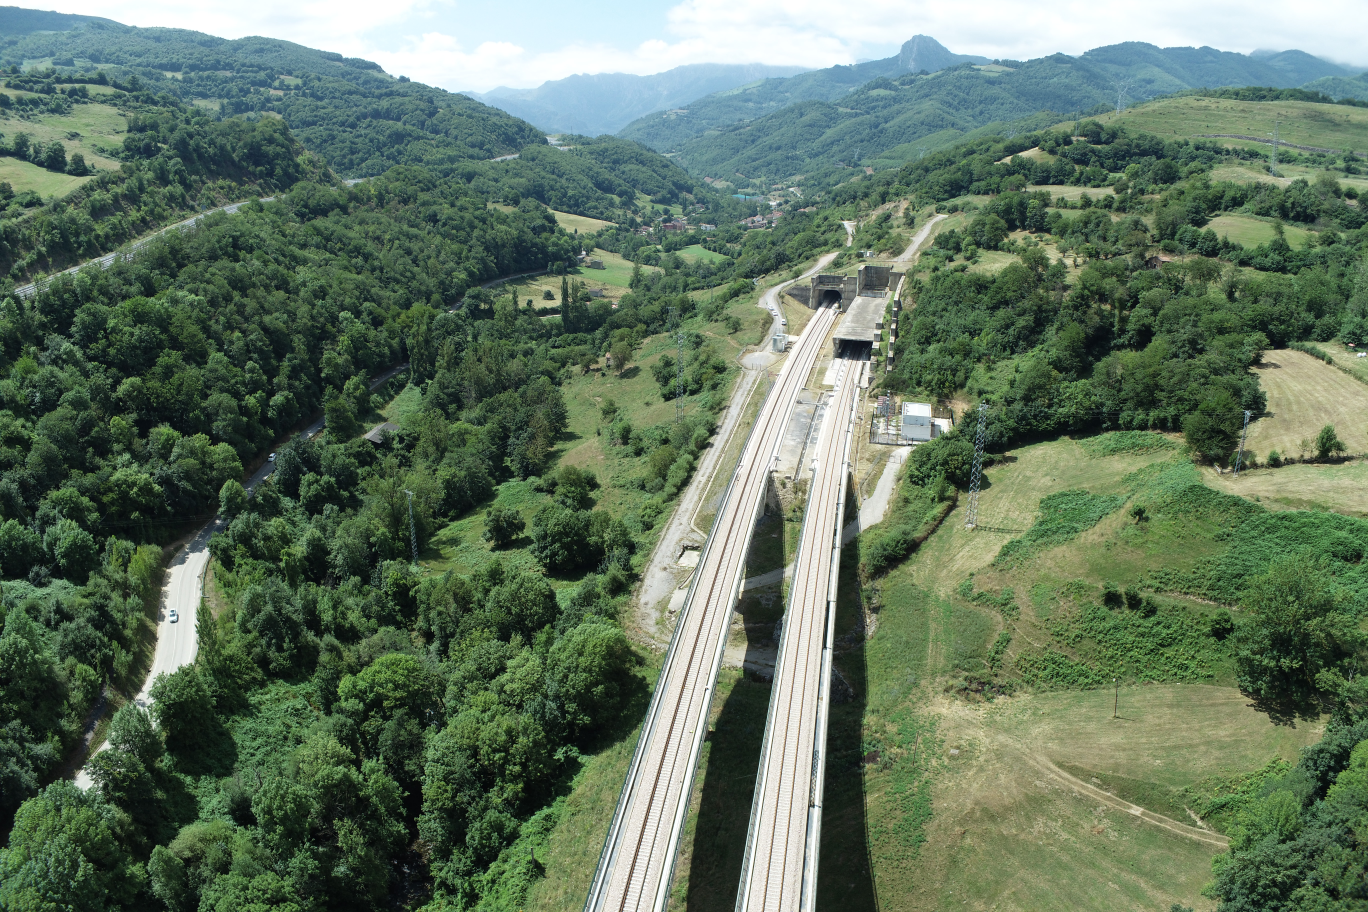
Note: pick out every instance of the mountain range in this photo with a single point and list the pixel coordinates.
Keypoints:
(590, 104)
(667, 130)
(883, 112)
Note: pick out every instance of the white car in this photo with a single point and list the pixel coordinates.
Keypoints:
(783, 322)
(173, 616)
(271, 458)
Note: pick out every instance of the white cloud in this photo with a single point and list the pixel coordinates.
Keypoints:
(436, 41)
(811, 33)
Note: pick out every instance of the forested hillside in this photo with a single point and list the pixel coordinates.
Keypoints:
(177, 161)
(360, 119)
(818, 123)
(892, 120)
(357, 733)
(666, 131)
(356, 119)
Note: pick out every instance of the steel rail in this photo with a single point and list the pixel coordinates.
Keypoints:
(779, 868)
(637, 861)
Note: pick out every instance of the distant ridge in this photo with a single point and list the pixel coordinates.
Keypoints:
(607, 102)
(15, 20)
(667, 130)
(878, 114)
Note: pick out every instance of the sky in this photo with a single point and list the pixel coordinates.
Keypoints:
(468, 45)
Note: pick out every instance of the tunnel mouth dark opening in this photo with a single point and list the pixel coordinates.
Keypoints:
(830, 297)
(853, 349)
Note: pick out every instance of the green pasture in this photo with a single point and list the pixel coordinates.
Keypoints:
(1251, 231)
(1323, 126)
(94, 130)
(696, 253)
(24, 176)
(582, 223)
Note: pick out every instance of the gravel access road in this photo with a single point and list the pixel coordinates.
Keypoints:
(663, 573)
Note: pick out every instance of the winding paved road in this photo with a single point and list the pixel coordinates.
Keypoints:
(104, 262)
(178, 642)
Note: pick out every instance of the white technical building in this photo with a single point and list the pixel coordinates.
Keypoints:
(918, 423)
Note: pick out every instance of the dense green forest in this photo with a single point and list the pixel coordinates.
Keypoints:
(177, 161)
(1132, 341)
(358, 119)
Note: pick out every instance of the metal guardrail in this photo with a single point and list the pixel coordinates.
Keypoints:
(812, 851)
(598, 884)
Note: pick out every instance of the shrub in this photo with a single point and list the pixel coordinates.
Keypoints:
(503, 525)
(950, 456)
(1328, 444)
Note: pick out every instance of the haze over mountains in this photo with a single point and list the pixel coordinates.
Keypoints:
(590, 104)
(883, 112)
(763, 123)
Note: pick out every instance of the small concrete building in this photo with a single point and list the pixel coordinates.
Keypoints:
(917, 428)
(917, 424)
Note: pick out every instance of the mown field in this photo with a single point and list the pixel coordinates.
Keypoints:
(571, 222)
(1251, 231)
(613, 280)
(1023, 801)
(94, 130)
(23, 176)
(1321, 125)
(1304, 395)
(695, 253)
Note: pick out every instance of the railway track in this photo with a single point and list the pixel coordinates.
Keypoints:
(637, 863)
(779, 872)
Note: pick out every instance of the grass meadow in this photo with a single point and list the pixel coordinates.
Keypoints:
(942, 796)
(94, 130)
(1251, 231)
(1305, 394)
(571, 222)
(24, 175)
(1324, 126)
(696, 253)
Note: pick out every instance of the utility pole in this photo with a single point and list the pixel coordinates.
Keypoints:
(971, 520)
(413, 529)
(1116, 697)
(1239, 454)
(1274, 169)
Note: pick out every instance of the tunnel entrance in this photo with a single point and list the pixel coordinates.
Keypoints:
(830, 297)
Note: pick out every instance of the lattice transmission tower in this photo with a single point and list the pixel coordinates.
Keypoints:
(1239, 454)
